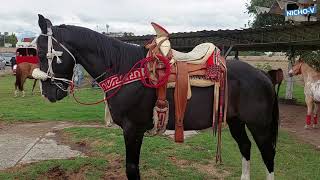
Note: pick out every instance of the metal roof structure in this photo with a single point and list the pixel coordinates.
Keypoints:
(304, 36)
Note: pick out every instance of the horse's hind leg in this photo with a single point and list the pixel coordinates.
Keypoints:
(16, 91)
(22, 84)
(238, 132)
(264, 139)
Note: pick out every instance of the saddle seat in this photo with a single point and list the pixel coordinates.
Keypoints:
(198, 55)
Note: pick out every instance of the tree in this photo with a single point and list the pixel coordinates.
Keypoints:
(12, 39)
(312, 58)
(262, 20)
(6, 38)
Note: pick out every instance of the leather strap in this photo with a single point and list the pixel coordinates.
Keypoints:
(180, 98)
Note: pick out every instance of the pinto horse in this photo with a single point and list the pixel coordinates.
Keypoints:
(311, 79)
(24, 71)
(251, 102)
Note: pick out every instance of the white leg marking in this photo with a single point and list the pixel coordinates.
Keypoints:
(16, 93)
(23, 93)
(245, 169)
(270, 176)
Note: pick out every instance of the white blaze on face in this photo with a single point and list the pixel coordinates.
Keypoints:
(165, 46)
(245, 169)
(291, 71)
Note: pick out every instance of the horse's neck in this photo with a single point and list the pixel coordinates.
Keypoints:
(309, 74)
(101, 52)
(97, 64)
(92, 62)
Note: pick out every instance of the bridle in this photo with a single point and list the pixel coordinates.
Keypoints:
(143, 64)
(51, 54)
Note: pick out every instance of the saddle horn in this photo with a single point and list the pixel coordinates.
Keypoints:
(160, 31)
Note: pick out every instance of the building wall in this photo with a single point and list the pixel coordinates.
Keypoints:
(5, 50)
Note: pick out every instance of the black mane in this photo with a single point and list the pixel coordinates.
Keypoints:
(119, 56)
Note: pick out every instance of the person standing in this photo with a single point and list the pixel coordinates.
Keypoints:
(13, 62)
(78, 75)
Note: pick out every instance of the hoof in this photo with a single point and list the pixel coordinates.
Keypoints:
(307, 126)
(315, 126)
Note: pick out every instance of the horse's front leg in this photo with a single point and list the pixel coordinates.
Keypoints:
(133, 139)
(315, 115)
(309, 102)
(33, 86)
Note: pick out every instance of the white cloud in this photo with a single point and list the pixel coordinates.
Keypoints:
(126, 15)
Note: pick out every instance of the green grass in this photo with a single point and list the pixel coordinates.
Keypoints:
(298, 92)
(36, 108)
(294, 160)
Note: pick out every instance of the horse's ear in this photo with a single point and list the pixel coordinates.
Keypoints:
(160, 31)
(44, 24)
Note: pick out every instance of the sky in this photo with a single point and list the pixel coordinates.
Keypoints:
(20, 16)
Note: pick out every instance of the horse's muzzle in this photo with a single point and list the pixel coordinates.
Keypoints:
(290, 73)
(38, 74)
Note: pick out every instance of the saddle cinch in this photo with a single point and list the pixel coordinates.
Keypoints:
(201, 67)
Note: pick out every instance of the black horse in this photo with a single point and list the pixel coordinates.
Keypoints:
(252, 100)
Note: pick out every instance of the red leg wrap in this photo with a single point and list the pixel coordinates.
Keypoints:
(315, 119)
(308, 119)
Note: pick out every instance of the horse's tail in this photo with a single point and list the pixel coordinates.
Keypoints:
(19, 78)
(275, 122)
(277, 93)
(279, 79)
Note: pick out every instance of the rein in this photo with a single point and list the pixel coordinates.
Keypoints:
(143, 65)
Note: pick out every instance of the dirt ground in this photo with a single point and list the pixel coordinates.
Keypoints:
(293, 120)
(291, 116)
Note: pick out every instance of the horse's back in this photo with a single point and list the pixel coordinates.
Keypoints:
(26, 69)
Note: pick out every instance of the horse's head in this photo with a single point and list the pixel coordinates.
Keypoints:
(296, 69)
(56, 62)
